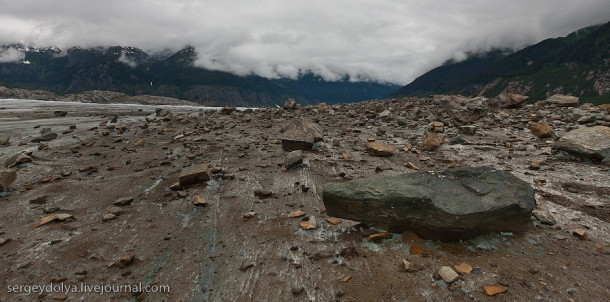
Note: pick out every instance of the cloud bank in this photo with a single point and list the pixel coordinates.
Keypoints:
(385, 41)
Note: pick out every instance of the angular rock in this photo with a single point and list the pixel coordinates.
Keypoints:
(108, 217)
(160, 112)
(17, 159)
(593, 142)
(293, 159)
(4, 141)
(541, 130)
(7, 177)
(492, 290)
(447, 204)
(563, 100)
(125, 260)
(463, 109)
(448, 274)
(301, 134)
(123, 201)
(60, 113)
(468, 130)
(310, 224)
(380, 149)
(297, 213)
(512, 100)
(45, 137)
(200, 200)
(291, 104)
(194, 174)
(581, 234)
(463, 268)
(379, 236)
(227, 110)
(334, 220)
(432, 141)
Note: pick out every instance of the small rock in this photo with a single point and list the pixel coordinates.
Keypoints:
(379, 236)
(50, 218)
(406, 266)
(262, 194)
(512, 100)
(296, 290)
(291, 104)
(125, 260)
(17, 159)
(492, 290)
(463, 268)
(542, 214)
(334, 220)
(200, 200)
(160, 112)
(581, 234)
(245, 266)
(536, 164)
(309, 224)
(39, 200)
(116, 211)
(60, 113)
(4, 240)
(4, 141)
(123, 202)
(45, 137)
(293, 159)
(541, 130)
(411, 165)
(563, 100)
(432, 141)
(108, 217)
(43, 146)
(448, 274)
(468, 130)
(297, 213)
(194, 174)
(380, 149)
(249, 215)
(7, 177)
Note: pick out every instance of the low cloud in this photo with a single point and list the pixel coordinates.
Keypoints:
(385, 41)
(127, 61)
(11, 55)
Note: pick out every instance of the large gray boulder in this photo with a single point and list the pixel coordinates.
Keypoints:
(463, 109)
(593, 142)
(563, 100)
(446, 204)
(300, 134)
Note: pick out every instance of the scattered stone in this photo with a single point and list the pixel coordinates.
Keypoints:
(60, 113)
(297, 213)
(4, 240)
(463, 268)
(512, 100)
(448, 274)
(563, 100)
(43, 146)
(536, 164)
(580, 234)
(334, 220)
(492, 290)
(293, 159)
(541, 130)
(49, 136)
(4, 141)
(123, 202)
(194, 174)
(200, 200)
(7, 177)
(462, 109)
(39, 200)
(296, 290)
(50, 218)
(310, 224)
(160, 112)
(300, 134)
(116, 211)
(542, 214)
(437, 127)
(468, 130)
(473, 201)
(291, 104)
(346, 278)
(380, 149)
(411, 165)
(379, 236)
(249, 215)
(262, 194)
(432, 141)
(402, 121)
(125, 260)
(227, 110)
(407, 266)
(593, 142)
(245, 265)
(108, 217)
(17, 159)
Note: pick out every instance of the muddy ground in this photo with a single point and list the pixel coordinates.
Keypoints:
(212, 253)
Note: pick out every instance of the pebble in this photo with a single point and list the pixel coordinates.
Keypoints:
(448, 274)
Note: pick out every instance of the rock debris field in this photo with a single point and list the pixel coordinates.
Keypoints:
(306, 203)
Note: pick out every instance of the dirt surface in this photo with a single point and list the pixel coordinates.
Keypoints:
(214, 253)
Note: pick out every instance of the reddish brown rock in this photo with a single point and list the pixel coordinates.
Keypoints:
(380, 149)
(194, 174)
(432, 141)
(541, 130)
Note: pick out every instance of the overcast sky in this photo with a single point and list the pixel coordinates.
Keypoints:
(382, 40)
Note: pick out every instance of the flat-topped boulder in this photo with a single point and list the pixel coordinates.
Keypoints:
(300, 134)
(593, 142)
(447, 204)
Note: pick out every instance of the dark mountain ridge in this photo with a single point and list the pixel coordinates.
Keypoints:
(132, 71)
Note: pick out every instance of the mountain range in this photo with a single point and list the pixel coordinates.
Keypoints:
(132, 71)
(578, 65)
